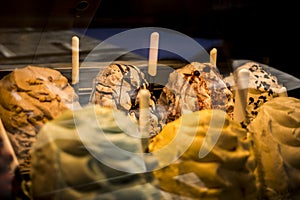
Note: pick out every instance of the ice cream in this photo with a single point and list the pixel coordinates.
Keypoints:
(31, 96)
(194, 87)
(262, 87)
(225, 172)
(89, 154)
(117, 86)
(276, 133)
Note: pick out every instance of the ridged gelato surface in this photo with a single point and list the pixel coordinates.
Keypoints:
(89, 154)
(205, 155)
(276, 133)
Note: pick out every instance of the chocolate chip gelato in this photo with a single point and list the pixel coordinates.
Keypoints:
(194, 87)
(262, 87)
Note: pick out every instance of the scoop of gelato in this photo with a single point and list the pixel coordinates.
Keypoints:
(262, 87)
(118, 85)
(194, 87)
(90, 153)
(276, 134)
(205, 155)
(31, 96)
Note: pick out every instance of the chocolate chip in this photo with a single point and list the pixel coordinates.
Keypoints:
(256, 104)
(254, 112)
(263, 98)
(270, 92)
(251, 100)
(197, 73)
(259, 86)
(253, 68)
(266, 76)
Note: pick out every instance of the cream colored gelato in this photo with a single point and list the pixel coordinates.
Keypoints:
(31, 96)
(276, 133)
(88, 154)
(194, 87)
(262, 87)
(225, 172)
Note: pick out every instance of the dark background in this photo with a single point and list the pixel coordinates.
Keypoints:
(259, 30)
(264, 31)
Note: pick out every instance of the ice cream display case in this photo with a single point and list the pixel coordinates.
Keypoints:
(147, 100)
